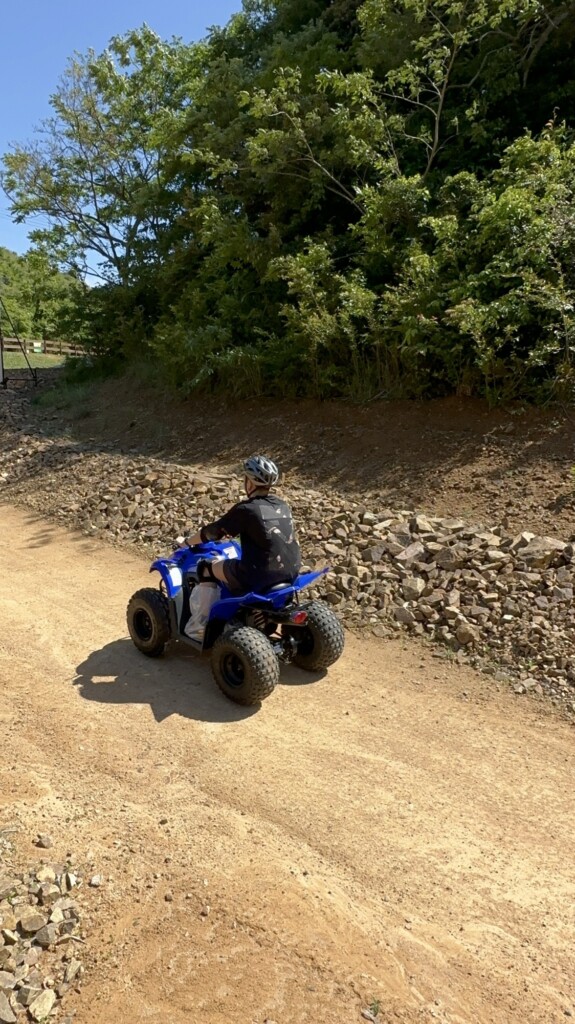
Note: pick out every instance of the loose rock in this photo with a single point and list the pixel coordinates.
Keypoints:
(42, 1005)
(7, 1015)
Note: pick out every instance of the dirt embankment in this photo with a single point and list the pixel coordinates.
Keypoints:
(451, 457)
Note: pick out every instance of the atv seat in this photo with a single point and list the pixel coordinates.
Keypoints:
(277, 586)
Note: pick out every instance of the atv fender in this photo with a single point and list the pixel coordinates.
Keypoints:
(171, 575)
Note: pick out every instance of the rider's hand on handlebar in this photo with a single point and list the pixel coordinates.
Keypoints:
(182, 542)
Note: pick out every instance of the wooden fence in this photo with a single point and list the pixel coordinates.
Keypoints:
(53, 348)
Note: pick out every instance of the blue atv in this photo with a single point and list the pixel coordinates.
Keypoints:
(248, 635)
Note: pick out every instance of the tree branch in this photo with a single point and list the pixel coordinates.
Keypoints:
(536, 48)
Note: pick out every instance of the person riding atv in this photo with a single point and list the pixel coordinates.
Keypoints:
(242, 603)
(270, 553)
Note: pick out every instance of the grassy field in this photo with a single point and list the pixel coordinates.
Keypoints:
(16, 361)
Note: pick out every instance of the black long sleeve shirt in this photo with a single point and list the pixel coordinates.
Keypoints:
(270, 551)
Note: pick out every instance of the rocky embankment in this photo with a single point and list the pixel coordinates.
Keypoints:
(504, 601)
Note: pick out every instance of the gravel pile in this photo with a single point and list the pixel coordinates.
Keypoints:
(40, 938)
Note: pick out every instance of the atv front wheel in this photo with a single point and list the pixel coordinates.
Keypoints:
(321, 641)
(148, 620)
(244, 665)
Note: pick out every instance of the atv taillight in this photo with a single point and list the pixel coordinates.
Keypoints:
(298, 618)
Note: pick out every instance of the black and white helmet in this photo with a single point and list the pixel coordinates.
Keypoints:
(262, 471)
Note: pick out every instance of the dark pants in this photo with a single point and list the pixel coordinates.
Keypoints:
(233, 574)
(237, 584)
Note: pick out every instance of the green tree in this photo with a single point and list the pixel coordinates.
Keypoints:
(323, 197)
(16, 313)
(35, 295)
(96, 169)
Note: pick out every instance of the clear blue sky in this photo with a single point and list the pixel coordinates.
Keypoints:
(38, 36)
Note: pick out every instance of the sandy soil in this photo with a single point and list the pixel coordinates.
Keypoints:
(399, 830)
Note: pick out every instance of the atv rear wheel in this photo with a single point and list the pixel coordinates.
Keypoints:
(148, 620)
(321, 641)
(244, 665)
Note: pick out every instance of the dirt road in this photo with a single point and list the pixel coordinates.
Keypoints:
(398, 831)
